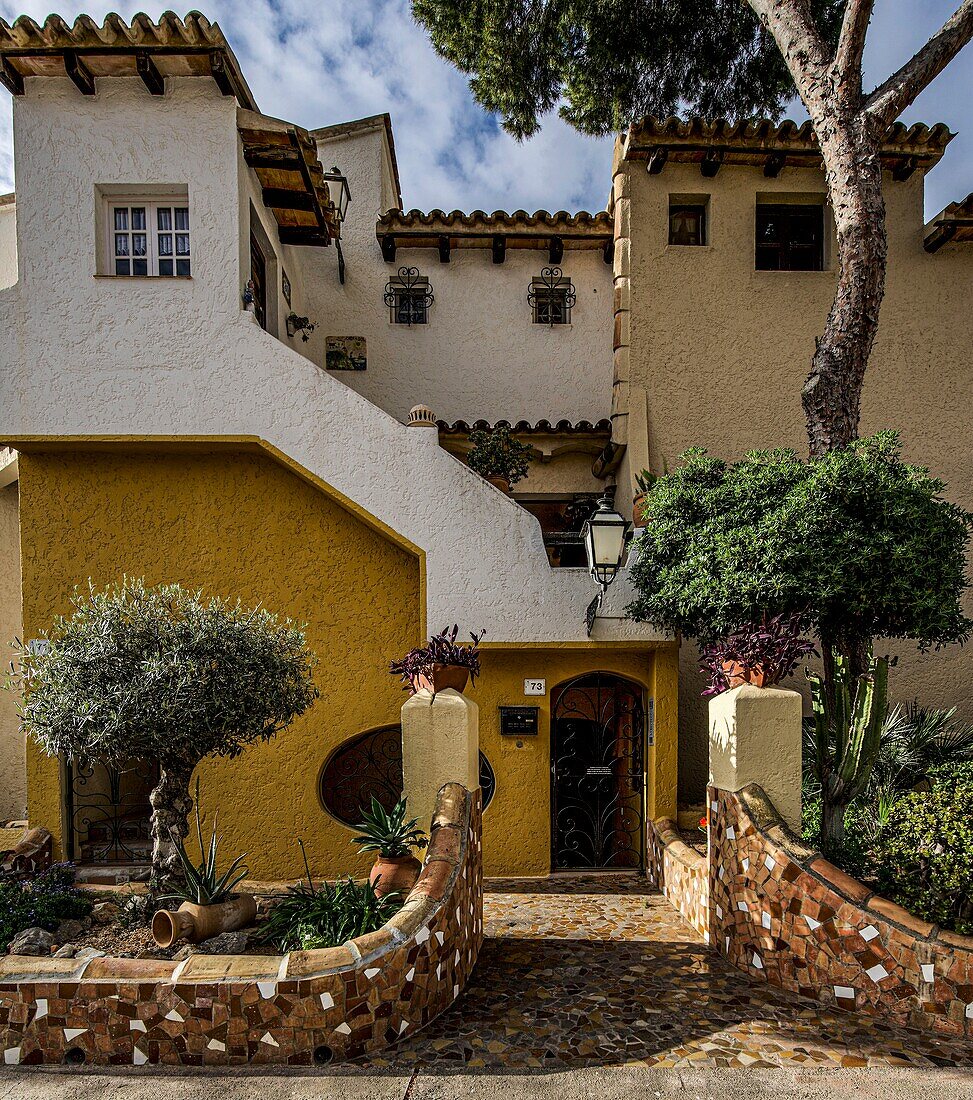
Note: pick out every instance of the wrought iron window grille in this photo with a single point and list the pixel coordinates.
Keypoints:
(408, 296)
(551, 297)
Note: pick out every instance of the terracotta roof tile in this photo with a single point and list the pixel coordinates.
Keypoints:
(525, 427)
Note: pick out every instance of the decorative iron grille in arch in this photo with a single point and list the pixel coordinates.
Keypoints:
(370, 766)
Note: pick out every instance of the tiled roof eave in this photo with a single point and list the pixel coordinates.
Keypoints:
(526, 427)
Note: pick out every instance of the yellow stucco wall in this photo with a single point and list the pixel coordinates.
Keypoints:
(718, 353)
(237, 524)
(517, 824)
(13, 788)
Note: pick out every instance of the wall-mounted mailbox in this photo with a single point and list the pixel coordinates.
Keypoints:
(518, 721)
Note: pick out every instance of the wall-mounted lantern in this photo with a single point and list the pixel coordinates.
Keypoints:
(337, 181)
(605, 534)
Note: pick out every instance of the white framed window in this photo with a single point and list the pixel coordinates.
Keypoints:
(147, 235)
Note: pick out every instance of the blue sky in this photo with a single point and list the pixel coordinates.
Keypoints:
(327, 61)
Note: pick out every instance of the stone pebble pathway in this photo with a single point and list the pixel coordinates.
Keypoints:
(601, 970)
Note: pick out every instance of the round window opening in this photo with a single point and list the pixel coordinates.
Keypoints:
(370, 766)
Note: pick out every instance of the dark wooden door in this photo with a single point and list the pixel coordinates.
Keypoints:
(597, 774)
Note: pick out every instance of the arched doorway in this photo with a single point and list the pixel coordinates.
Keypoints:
(597, 774)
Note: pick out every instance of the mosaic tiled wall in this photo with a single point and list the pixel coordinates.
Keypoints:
(679, 872)
(298, 1009)
(782, 912)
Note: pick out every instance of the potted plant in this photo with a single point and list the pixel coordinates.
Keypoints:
(498, 457)
(209, 905)
(761, 654)
(392, 838)
(441, 663)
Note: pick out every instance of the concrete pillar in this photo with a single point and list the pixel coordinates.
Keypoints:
(440, 744)
(755, 737)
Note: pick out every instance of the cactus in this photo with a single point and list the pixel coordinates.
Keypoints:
(848, 723)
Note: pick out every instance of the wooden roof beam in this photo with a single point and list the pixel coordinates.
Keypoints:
(711, 162)
(149, 72)
(220, 72)
(774, 164)
(499, 248)
(942, 233)
(10, 78)
(303, 235)
(657, 160)
(79, 72)
(443, 245)
(555, 249)
(282, 198)
(904, 169)
(388, 248)
(309, 183)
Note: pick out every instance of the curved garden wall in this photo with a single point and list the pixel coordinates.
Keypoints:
(296, 1009)
(777, 909)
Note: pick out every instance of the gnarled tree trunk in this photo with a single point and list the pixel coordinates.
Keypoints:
(832, 393)
(171, 805)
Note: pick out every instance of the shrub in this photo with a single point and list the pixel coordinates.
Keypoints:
(441, 649)
(389, 832)
(773, 647)
(497, 454)
(924, 852)
(163, 675)
(203, 884)
(309, 917)
(41, 902)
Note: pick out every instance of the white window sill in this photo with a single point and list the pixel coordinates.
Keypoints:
(142, 278)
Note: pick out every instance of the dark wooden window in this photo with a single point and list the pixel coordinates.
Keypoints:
(258, 273)
(687, 223)
(790, 237)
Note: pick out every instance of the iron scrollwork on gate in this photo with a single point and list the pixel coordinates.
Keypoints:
(597, 775)
(370, 766)
(109, 811)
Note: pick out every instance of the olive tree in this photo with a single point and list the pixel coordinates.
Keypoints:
(857, 543)
(164, 675)
(605, 65)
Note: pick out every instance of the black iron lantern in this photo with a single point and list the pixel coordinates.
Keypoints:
(338, 182)
(605, 534)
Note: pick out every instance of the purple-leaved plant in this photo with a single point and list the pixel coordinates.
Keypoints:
(774, 647)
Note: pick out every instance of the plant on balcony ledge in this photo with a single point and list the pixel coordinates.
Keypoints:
(498, 457)
(441, 663)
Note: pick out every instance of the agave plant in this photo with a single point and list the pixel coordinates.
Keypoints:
(388, 832)
(203, 884)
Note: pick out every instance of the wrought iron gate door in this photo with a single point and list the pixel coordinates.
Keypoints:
(109, 811)
(597, 774)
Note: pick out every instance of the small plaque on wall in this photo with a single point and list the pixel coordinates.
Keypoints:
(345, 353)
(518, 721)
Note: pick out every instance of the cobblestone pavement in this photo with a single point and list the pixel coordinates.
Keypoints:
(601, 971)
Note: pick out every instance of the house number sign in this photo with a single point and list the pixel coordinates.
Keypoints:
(535, 687)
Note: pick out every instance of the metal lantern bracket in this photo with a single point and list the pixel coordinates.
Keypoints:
(546, 290)
(414, 289)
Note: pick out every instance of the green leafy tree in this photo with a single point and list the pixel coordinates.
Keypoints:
(858, 543)
(167, 676)
(604, 65)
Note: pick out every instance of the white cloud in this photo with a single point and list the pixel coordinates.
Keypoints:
(321, 63)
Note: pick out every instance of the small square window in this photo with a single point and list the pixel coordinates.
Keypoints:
(408, 296)
(147, 237)
(551, 297)
(789, 237)
(687, 223)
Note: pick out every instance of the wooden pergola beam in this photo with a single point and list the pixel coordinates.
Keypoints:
(10, 78)
(79, 72)
(283, 198)
(149, 72)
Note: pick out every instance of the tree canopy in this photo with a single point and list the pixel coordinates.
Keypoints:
(165, 675)
(858, 541)
(605, 63)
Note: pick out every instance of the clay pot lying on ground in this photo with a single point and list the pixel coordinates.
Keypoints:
(195, 923)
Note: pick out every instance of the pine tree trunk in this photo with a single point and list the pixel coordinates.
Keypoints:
(171, 805)
(832, 393)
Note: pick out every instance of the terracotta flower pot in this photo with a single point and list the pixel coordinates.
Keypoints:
(736, 675)
(638, 512)
(500, 483)
(196, 923)
(442, 677)
(394, 875)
